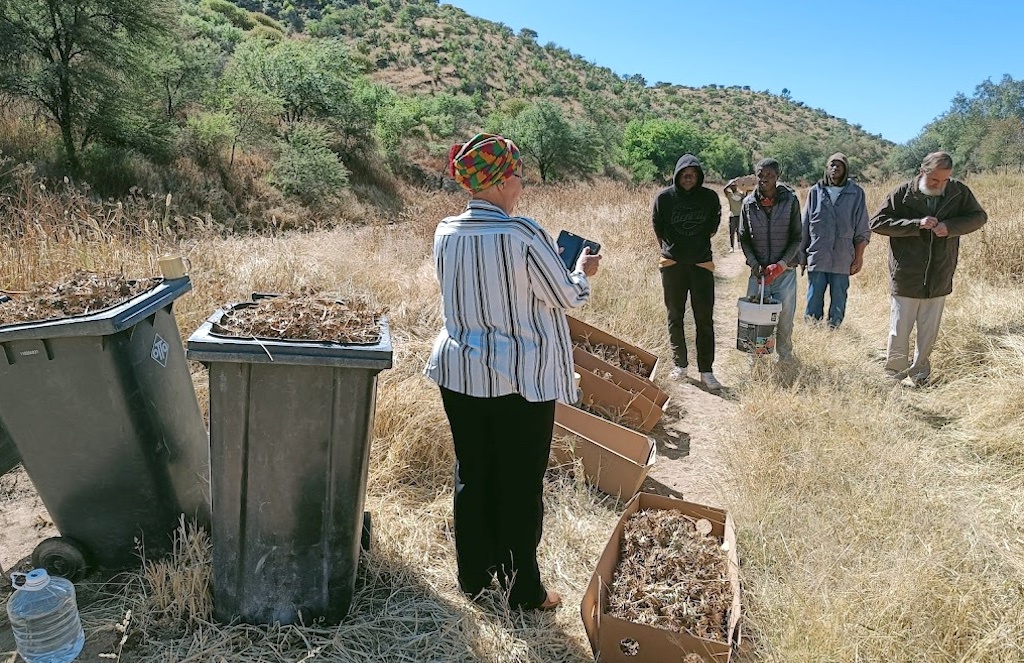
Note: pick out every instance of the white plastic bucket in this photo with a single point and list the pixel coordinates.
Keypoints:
(755, 331)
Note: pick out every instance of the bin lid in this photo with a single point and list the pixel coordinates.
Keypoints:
(207, 346)
(101, 323)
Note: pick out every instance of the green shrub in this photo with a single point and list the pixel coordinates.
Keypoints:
(266, 32)
(263, 19)
(113, 172)
(307, 168)
(205, 137)
(236, 15)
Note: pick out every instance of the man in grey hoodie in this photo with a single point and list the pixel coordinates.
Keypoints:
(685, 216)
(835, 234)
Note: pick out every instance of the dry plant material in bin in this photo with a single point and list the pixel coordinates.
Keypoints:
(608, 377)
(306, 317)
(613, 414)
(81, 294)
(614, 355)
(672, 575)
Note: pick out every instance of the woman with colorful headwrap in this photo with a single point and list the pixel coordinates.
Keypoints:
(502, 360)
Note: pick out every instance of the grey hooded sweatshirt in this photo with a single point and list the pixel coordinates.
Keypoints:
(684, 221)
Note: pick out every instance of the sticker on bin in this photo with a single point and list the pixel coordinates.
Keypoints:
(160, 350)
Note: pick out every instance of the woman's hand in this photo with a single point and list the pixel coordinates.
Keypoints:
(588, 263)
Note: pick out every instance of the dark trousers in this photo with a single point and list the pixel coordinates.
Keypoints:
(734, 231)
(501, 449)
(680, 281)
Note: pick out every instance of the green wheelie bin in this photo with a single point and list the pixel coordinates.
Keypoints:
(102, 412)
(290, 426)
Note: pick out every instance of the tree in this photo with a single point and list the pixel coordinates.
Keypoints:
(798, 155)
(311, 78)
(251, 116)
(448, 116)
(73, 55)
(556, 145)
(307, 168)
(978, 131)
(905, 160)
(184, 71)
(724, 156)
(650, 148)
(1003, 144)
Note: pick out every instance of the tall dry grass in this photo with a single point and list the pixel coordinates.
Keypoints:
(875, 523)
(883, 523)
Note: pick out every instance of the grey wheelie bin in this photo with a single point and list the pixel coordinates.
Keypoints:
(104, 417)
(9, 458)
(290, 425)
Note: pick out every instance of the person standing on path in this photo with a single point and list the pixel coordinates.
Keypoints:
(770, 234)
(501, 360)
(924, 219)
(835, 234)
(685, 216)
(735, 194)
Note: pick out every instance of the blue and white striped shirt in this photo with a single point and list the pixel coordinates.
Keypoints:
(504, 292)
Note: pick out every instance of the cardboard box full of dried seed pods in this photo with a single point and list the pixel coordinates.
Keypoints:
(612, 349)
(706, 568)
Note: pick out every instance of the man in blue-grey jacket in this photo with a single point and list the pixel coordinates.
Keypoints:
(835, 234)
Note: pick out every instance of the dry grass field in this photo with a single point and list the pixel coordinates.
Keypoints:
(875, 522)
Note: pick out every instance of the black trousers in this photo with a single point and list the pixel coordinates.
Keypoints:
(734, 231)
(679, 282)
(501, 449)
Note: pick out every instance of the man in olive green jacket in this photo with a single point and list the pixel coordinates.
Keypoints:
(924, 219)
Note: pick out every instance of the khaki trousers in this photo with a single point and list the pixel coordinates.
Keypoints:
(906, 312)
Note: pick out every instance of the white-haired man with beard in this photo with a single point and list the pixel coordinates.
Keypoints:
(924, 219)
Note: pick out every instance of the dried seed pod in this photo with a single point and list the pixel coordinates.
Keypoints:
(703, 526)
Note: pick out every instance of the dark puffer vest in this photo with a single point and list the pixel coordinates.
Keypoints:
(768, 240)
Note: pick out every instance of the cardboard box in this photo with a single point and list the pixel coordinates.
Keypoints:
(625, 379)
(579, 331)
(630, 409)
(746, 183)
(615, 459)
(645, 644)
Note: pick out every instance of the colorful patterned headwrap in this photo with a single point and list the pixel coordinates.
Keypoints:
(484, 160)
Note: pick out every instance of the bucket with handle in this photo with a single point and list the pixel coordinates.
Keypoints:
(755, 331)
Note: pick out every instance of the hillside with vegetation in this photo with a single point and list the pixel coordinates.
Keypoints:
(259, 113)
(426, 48)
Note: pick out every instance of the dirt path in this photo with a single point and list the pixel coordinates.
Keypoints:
(689, 466)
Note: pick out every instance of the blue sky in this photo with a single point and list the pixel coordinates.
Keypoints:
(891, 67)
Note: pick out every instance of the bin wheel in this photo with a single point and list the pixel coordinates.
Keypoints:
(364, 541)
(60, 557)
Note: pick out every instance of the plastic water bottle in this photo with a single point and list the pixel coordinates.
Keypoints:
(44, 618)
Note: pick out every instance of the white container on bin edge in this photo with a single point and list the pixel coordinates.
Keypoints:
(44, 618)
